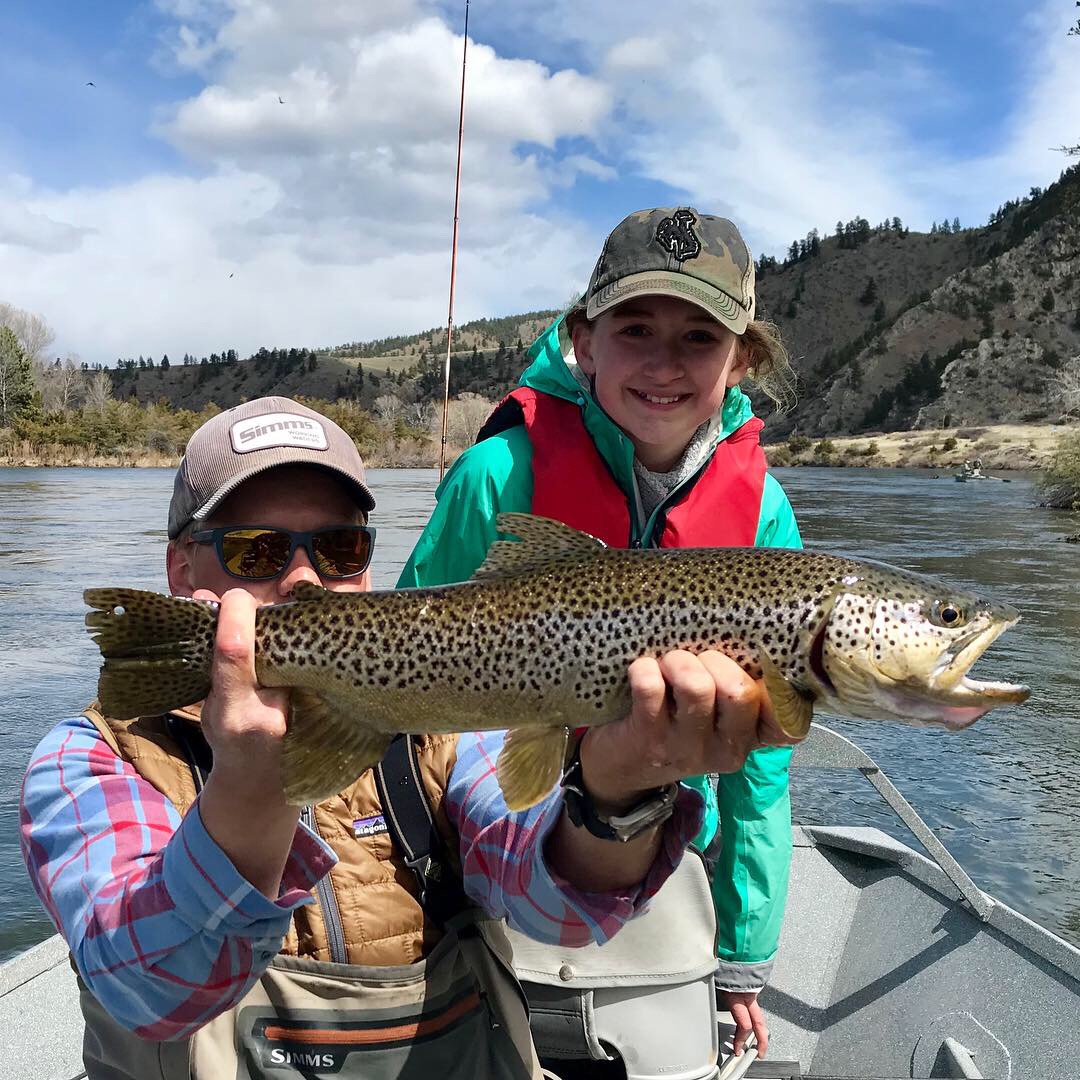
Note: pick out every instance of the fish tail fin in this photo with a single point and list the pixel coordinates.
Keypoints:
(157, 650)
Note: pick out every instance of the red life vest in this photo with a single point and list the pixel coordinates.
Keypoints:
(573, 484)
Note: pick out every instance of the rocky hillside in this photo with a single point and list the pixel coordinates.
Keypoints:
(889, 330)
(957, 328)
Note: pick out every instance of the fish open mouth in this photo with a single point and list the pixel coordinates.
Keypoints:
(957, 699)
(947, 696)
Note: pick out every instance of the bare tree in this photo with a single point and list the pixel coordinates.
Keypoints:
(34, 333)
(421, 413)
(62, 384)
(466, 416)
(388, 407)
(99, 391)
(1066, 386)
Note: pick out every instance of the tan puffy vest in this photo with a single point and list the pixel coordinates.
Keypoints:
(375, 891)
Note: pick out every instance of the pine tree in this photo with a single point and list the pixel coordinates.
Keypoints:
(18, 397)
(869, 294)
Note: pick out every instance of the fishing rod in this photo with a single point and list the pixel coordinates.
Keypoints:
(453, 252)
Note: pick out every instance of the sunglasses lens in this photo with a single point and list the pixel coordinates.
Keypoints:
(255, 553)
(341, 553)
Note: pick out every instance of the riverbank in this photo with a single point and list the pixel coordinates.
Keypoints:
(60, 456)
(1022, 447)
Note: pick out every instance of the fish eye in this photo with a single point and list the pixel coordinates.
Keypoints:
(948, 614)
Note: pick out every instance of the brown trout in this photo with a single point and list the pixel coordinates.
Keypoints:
(540, 639)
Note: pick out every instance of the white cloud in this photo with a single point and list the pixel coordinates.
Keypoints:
(154, 275)
(755, 113)
(332, 207)
(21, 227)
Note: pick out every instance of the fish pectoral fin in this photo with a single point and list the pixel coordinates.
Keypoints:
(530, 764)
(308, 590)
(325, 748)
(542, 541)
(792, 708)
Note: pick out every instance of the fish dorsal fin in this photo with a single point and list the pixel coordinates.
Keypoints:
(542, 541)
(307, 590)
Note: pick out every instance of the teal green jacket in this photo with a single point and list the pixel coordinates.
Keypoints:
(750, 807)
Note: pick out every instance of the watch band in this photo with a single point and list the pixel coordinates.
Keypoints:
(655, 808)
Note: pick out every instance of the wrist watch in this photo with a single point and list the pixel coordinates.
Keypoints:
(656, 807)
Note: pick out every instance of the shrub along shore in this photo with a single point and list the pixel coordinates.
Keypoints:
(1000, 447)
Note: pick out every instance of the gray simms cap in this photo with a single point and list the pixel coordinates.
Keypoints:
(249, 439)
(675, 251)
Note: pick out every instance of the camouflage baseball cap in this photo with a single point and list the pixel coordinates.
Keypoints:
(675, 251)
(262, 434)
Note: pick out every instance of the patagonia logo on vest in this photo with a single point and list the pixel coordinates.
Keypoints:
(369, 826)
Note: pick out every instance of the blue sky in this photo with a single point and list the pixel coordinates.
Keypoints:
(124, 207)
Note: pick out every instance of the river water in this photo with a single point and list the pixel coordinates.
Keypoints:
(1001, 795)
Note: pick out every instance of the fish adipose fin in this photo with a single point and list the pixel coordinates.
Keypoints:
(325, 749)
(530, 764)
(157, 650)
(542, 541)
(792, 708)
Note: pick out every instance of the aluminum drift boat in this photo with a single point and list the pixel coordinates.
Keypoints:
(891, 965)
(894, 965)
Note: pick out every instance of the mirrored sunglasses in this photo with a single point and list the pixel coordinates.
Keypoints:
(262, 552)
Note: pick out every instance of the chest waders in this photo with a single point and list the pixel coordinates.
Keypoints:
(458, 1014)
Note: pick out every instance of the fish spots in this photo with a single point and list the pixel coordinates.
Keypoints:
(557, 641)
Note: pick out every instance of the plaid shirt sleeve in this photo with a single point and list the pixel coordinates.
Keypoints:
(504, 864)
(164, 930)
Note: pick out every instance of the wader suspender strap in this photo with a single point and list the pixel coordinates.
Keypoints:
(196, 749)
(412, 828)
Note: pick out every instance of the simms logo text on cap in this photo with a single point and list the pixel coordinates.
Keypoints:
(676, 235)
(277, 429)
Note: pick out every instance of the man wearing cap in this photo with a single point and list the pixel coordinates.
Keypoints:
(631, 426)
(218, 931)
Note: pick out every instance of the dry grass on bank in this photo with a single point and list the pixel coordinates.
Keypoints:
(395, 454)
(1000, 446)
(60, 456)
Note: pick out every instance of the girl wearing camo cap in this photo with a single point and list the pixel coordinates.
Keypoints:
(630, 425)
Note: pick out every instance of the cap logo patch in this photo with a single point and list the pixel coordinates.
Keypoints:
(676, 235)
(277, 429)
